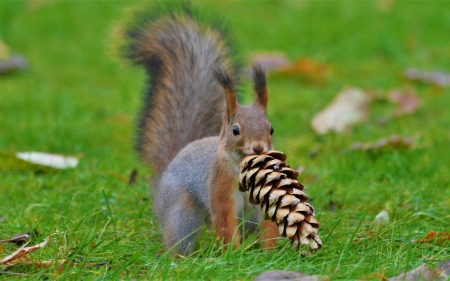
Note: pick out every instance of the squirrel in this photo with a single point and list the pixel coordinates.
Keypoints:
(193, 132)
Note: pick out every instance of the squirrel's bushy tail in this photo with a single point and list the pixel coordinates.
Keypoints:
(183, 102)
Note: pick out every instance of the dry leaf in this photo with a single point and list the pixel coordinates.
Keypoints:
(307, 69)
(375, 276)
(407, 102)
(48, 159)
(19, 258)
(443, 270)
(20, 239)
(347, 109)
(23, 251)
(17, 239)
(394, 142)
(12, 64)
(276, 275)
(47, 264)
(9, 162)
(381, 220)
(270, 61)
(437, 237)
(434, 77)
(421, 273)
(277, 63)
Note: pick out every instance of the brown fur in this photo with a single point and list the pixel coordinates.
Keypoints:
(268, 234)
(223, 216)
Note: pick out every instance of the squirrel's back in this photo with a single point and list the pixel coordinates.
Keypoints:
(183, 102)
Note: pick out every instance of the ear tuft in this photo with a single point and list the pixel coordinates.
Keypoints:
(227, 83)
(260, 86)
(224, 79)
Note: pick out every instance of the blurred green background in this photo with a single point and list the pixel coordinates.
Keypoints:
(77, 98)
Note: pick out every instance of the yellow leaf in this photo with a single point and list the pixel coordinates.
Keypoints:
(23, 251)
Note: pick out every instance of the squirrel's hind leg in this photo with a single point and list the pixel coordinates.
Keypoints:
(181, 224)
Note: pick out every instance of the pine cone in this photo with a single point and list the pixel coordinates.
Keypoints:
(270, 182)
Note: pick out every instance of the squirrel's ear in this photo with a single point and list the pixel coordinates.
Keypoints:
(260, 86)
(230, 93)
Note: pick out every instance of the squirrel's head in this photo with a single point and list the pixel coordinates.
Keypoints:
(246, 129)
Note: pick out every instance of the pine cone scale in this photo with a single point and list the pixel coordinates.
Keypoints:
(275, 164)
(294, 218)
(261, 175)
(289, 200)
(275, 194)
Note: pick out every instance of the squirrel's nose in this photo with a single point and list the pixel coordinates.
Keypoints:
(258, 148)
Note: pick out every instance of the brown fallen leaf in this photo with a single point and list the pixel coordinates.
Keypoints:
(375, 276)
(276, 275)
(19, 258)
(307, 69)
(347, 109)
(437, 237)
(20, 239)
(303, 67)
(393, 142)
(434, 77)
(407, 102)
(421, 273)
(61, 264)
(23, 251)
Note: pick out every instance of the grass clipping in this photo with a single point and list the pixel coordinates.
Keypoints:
(271, 183)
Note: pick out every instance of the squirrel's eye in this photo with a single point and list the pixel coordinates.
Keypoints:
(271, 130)
(236, 130)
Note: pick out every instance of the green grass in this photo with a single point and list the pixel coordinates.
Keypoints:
(75, 98)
